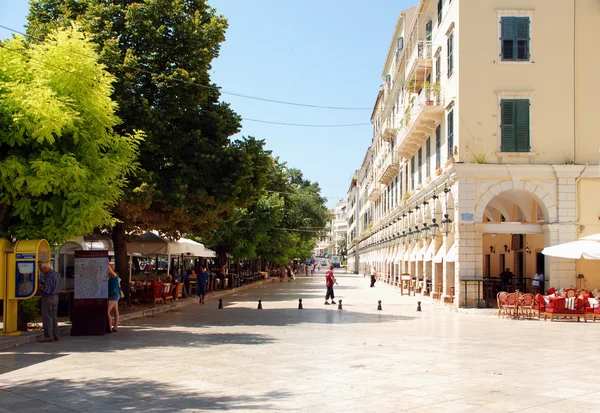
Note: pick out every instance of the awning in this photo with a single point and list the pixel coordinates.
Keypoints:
(150, 243)
(430, 253)
(415, 253)
(439, 255)
(406, 254)
(586, 247)
(399, 255)
(421, 253)
(452, 253)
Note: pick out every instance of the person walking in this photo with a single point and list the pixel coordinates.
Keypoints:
(329, 281)
(203, 278)
(50, 303)
(373, 276)
(114, 294)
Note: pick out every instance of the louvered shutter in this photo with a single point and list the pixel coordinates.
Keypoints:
(450, 131)
(522, 127)
(522, 38)
(508, 126)
(508, 38)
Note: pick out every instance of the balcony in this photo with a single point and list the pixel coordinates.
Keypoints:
(420, 63)
(389, 169)
(420, 121)
(389, 131)
(375, 192)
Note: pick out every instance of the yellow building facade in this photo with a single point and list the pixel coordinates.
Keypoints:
(485, 148)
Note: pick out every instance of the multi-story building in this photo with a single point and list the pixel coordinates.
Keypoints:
(484, 137)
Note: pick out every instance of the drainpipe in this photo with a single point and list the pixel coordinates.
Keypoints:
(575, 81)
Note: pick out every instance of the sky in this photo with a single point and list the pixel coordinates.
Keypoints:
(315, 52)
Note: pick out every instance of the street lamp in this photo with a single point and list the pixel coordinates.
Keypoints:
(403, 237)
(417, 233)
(446, 225)
(409, 236)
(425, 231)
(434, 227)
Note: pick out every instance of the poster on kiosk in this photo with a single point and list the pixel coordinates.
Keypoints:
(91, 294)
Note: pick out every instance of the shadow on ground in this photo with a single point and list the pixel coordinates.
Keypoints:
(124, 395)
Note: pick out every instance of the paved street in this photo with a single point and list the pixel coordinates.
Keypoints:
(319, 359)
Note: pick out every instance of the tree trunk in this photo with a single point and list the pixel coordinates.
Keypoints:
(118, 239)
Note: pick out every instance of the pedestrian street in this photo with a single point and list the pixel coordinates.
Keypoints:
(320, 358)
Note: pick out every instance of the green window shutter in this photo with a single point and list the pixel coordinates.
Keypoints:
(522, 38)
(450, 133)
(450, 54)
(508, 126)
(508, 37)
(522, 126)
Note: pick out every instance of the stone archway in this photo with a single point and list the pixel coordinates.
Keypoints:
(543, 198)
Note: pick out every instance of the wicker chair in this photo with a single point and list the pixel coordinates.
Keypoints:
(501, 299)
(526, 305)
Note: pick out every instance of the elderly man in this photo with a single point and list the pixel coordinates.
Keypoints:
(50, 303)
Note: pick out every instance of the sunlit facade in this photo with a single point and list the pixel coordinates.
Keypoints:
(484, 137)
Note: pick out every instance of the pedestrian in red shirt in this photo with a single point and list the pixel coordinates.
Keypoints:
(329, 281)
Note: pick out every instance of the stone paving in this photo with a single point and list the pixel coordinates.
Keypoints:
(281, 359)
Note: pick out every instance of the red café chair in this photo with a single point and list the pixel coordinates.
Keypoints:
(527, 305)
(157, 292)
(501, 299)
(167, 292)
(511, 305)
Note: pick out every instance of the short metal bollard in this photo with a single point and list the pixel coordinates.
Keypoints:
(259, 305)
(340, 305)
(379, 306)
(418, 306)
(220, 304)
(300, 304)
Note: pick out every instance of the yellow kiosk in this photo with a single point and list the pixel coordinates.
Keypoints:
(19, 276)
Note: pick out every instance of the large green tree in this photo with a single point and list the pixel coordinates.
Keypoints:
(283, 224)
(191, 176)
(62, 165)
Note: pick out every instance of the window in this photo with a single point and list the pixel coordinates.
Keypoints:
(439, 10)
(515, 125)
(407, 189)
(428, 30)
(412, 173)
(438, 67)
(428, 157)
(400, 187)
(514, 38)
(400, 46)
(438, 146)
(450, 53)
(450, 131)
(420, 166)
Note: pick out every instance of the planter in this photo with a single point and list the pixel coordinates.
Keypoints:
(429, 102)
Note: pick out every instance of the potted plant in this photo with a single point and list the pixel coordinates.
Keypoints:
(432, 91)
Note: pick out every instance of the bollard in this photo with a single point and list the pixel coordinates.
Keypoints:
(259, 305)
(300, 304)
(379, 306)
(418, 306)
(339, 304)
(220, 304)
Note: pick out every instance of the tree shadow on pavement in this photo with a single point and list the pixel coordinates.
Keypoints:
(237, 316)
(126, 395)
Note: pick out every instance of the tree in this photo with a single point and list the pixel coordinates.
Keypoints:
(62, 166)
(191, 176)
(342, 248)
(282, 224)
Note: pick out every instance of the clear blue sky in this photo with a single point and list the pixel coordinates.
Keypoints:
(323, 52)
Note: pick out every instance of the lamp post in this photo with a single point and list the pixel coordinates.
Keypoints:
(434, 227)
(425, 231)
(446, 225)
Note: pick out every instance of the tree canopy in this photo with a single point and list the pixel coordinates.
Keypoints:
(62, 165)
(283, 224)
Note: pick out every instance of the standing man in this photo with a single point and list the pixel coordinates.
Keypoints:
(203, 278)
(506, 278)
(329, 281)
(373, 276)
(50, 303)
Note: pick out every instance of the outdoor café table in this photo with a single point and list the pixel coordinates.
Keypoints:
(477, 281)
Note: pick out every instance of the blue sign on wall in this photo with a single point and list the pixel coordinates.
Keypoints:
(466, 217)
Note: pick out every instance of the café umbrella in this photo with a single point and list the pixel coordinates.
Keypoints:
(586, 247)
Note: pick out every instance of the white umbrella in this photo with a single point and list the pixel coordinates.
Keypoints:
(586, 247)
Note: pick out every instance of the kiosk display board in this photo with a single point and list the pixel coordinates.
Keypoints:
(91, 294)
